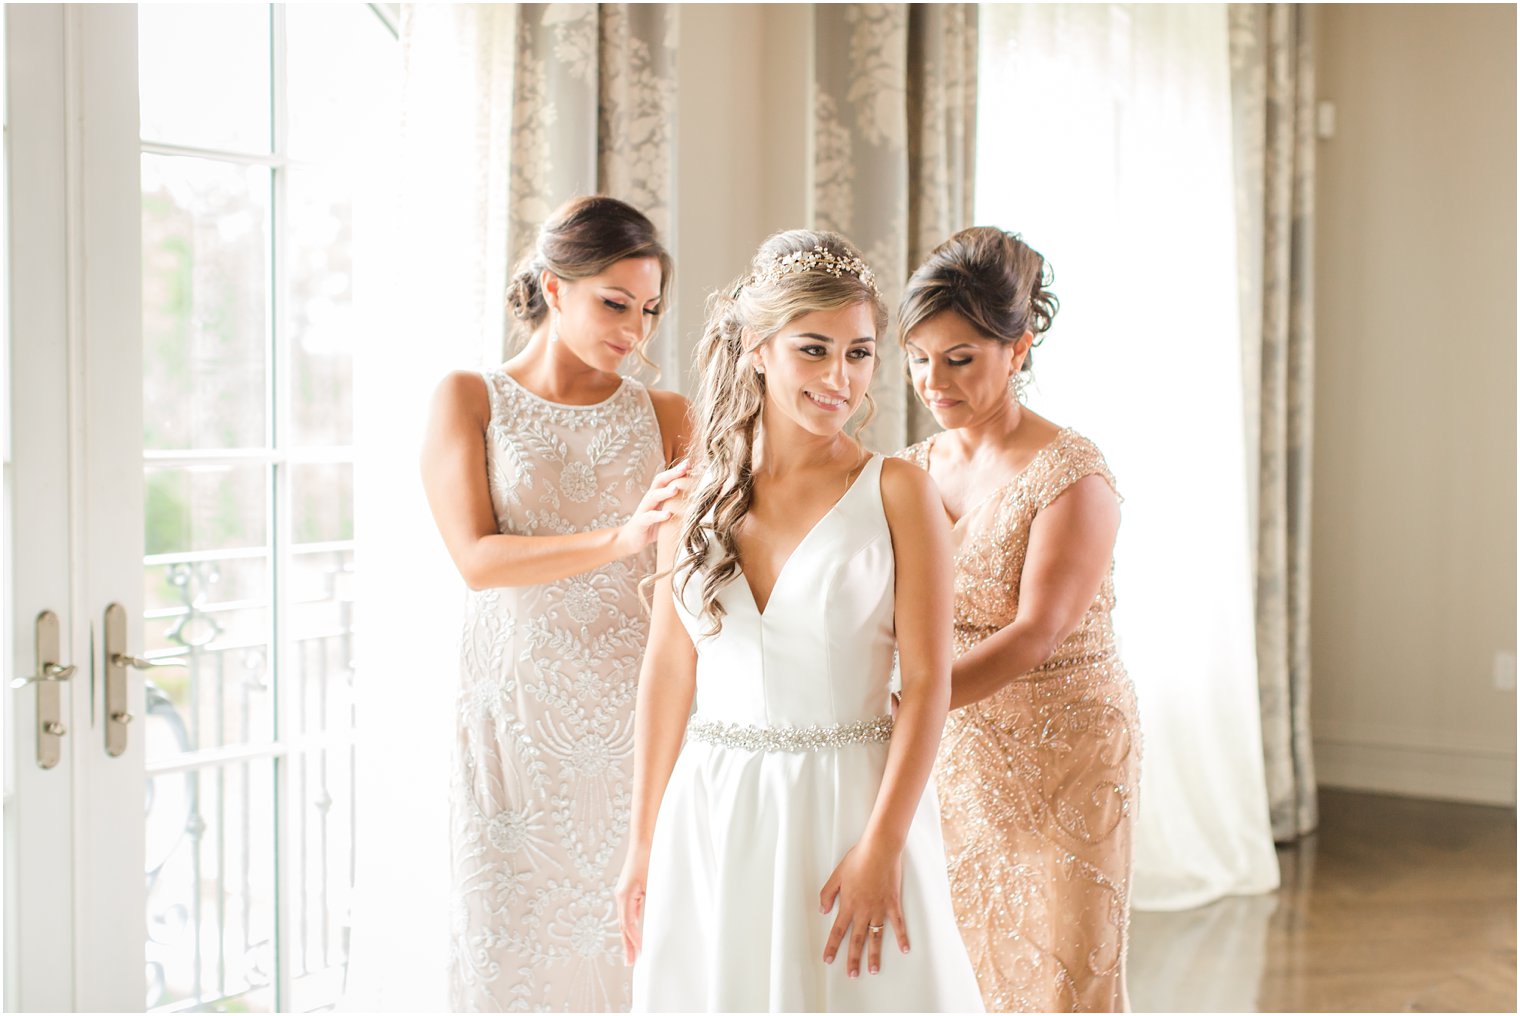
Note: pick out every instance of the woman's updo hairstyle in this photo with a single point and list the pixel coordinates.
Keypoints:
(793, 273)
(990, 277)
(584, 237)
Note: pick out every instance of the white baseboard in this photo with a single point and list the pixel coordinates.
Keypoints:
(1364, 760)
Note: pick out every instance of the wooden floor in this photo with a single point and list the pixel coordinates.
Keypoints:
(1393, 905)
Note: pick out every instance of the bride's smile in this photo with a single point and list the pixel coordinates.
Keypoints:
(817, 370)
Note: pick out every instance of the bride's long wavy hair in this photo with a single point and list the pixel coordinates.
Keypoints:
(731, 394)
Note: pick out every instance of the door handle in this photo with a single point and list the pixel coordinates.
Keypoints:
(138, 663)
(118, 715)
(51, 672)
(48, 680)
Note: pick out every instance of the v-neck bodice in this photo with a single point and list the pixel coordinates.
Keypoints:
(991, 540)
(782, 764)
(821, 653)
(997, 491)
(823, 520)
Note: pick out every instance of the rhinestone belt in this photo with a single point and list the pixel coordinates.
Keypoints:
(814, 738)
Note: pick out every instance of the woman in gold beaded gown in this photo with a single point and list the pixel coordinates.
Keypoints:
(1039, 765)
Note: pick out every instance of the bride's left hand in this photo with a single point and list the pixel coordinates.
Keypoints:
(629, 895)
(867, 885)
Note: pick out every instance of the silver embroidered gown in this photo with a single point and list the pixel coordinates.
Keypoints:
(543, 762)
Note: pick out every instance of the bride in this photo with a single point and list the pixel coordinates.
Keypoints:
(794, 834)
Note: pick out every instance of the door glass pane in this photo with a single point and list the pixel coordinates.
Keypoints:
(205, 300)
(320, 610)
(207, 602)
(322, 502)
(217, 506)
(203, 75)
(246, 539)
(336, 105)
(321, 822)
(320, 310)
(211, 882)
(210, 612)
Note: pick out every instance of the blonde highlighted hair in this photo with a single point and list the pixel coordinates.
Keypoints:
(731, 394)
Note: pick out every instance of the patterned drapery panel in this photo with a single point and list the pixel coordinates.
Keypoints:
(942, 60)
(1272, 81)
(894, 123)
(593, 110)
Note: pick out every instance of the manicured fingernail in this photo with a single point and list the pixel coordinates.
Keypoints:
(875, 969)
(905, 947)
(854, 973)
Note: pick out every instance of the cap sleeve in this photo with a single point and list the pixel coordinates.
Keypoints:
(918, 454)
(495, 382)
(1073, 458)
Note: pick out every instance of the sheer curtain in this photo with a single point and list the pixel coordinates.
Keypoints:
(433, 300)
(507, 111)
(1104, 137)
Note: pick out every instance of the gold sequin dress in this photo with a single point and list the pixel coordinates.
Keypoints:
(1038, 781)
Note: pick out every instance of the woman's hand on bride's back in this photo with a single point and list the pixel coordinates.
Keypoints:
(867, 887)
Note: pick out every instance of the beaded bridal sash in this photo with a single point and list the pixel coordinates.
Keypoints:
(813, 738)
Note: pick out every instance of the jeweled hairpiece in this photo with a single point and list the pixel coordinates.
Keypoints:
(818, 259)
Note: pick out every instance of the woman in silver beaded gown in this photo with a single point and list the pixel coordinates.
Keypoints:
(1039, 766)
(545, 478)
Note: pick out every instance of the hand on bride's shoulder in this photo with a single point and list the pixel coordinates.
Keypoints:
(656, 507)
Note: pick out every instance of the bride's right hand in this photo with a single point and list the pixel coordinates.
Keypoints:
(867, 886)
(655, 507)
(630, 902)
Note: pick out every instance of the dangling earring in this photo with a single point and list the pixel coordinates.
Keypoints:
(553, 328)
(1018, 383)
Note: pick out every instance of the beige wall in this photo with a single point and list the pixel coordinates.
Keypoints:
(1413, 582)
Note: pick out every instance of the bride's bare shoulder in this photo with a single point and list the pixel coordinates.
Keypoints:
(908, 494)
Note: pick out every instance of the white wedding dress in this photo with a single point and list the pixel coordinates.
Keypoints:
(782, 762)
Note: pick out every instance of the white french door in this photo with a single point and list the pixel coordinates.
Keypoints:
(74, 817)
(179, 207)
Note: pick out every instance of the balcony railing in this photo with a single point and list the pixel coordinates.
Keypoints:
(250, 789)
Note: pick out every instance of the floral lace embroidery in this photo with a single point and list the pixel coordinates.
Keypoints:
(543, 762)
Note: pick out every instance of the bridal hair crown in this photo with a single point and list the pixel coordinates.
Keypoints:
(819, 258)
